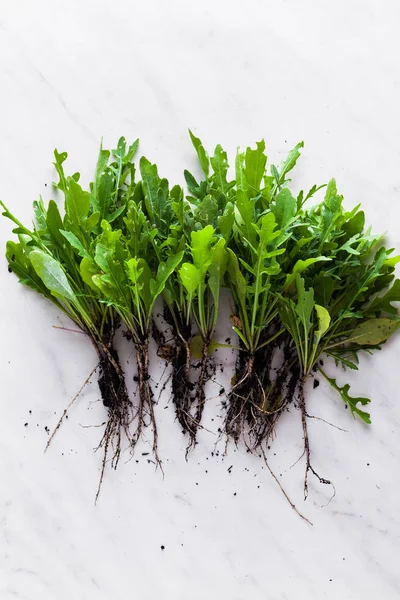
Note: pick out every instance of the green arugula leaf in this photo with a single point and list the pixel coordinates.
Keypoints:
(75, 243)
(77, 201)
(54, 223)
(53, 276)
(285, 208)
(324, 320)
(374, 331)
(254, 171)
(20, 264)
(191, 278)
(201, 248)
(217, 269)
(384, 303)
(201, 153)
(351, 402)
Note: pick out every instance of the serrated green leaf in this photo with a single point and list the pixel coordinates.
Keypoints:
(255, 163)
(226, 220)
(302, 265)
(351, 402)
(201, 248)
(201, 153)
(164, 271)
(384, 303)
(219, 163)
(291, 160)
(284, 208)
(77, 201)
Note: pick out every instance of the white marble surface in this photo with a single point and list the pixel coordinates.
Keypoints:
(71, 72)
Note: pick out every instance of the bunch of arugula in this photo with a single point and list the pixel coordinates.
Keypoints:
(200, 226)
(53, 258)
(127, 269)
(305, 282)
(335, 308)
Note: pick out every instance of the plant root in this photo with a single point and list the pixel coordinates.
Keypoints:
(283, 490)
(57, 427)
(115, 398)
(260, 394)
(145, 413)
(182, 387)
(307, 451)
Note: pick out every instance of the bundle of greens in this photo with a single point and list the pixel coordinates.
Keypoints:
(200, 226)
(54, 259)
(306, 282)
(126, 269)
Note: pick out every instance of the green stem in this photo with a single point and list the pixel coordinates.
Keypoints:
(271, 339)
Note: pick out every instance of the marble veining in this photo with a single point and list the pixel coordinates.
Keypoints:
(285, 70)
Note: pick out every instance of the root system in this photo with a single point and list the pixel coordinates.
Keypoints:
(262, 391)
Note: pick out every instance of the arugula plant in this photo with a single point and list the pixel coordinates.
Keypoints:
(52, 259)
(200, 222)
(126, 270)
(262, 250)
(202, 280)
(336, 310)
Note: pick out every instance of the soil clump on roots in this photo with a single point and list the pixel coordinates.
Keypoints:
(182, 386)
(188, 377)
(261, 391)
(115, 398)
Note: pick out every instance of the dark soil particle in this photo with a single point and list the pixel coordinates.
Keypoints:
(162, 547)
(26, 425)
(316, 383)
